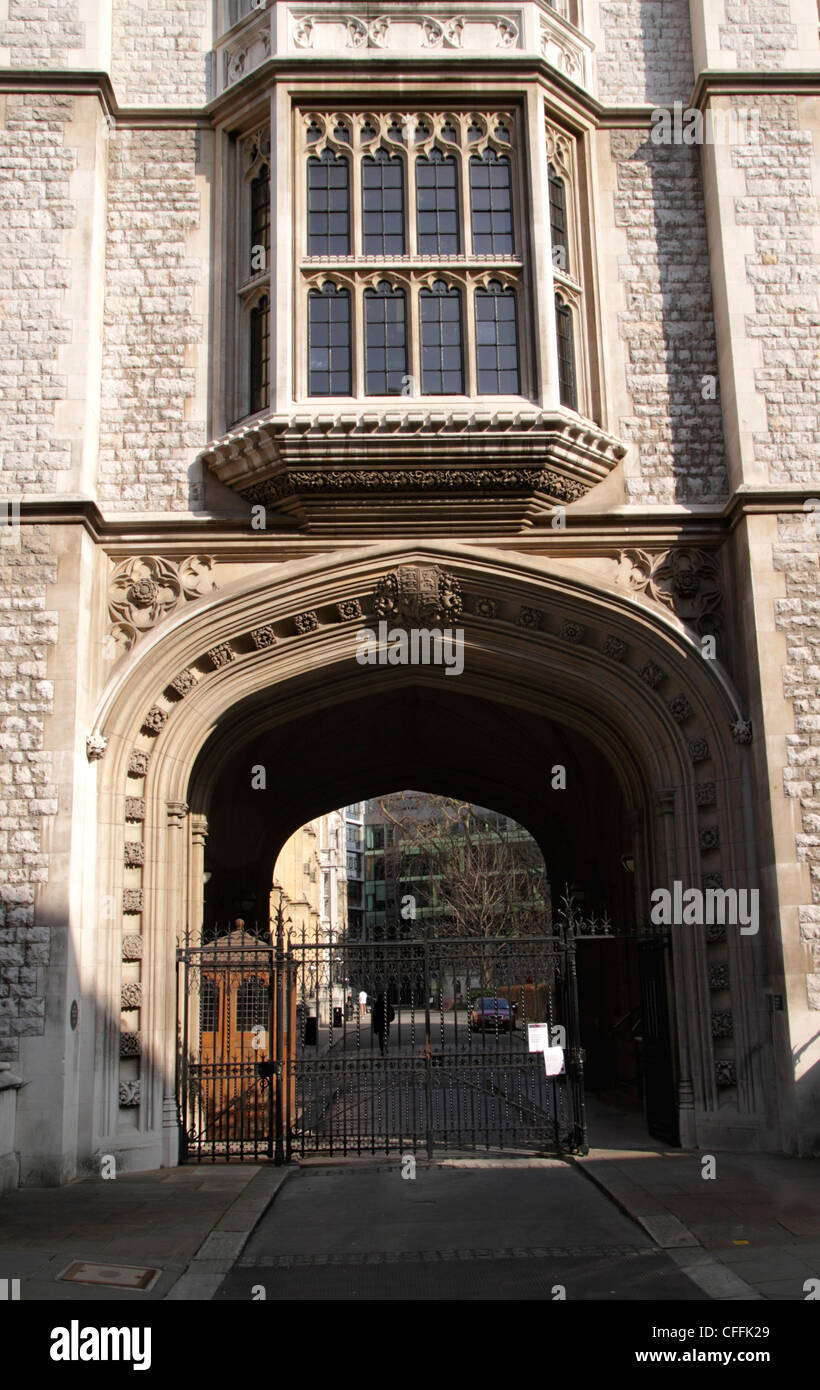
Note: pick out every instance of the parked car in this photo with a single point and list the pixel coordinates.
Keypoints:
(492, 1013)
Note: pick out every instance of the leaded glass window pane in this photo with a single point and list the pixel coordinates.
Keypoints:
(329, 342)
(385, 340)
(441, 351)
(437, 205)
(491, 204)
(208, 1005)
(260, 355)
(496, 342)
(260, 220)
(252, 998)
(383, 205)
(566, 354)
(558, 220)
(328, 208)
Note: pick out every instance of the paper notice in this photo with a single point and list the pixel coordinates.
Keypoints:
(554, 1061)
(538, 1036)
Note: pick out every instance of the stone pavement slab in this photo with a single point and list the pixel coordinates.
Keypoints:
(757, 1217)
(158, 1220)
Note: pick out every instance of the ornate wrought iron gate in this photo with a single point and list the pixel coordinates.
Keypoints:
(228, 994)
(435, 1056)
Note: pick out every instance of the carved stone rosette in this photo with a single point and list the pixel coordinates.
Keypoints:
(131, 997)
(719, 976)
(614, 648)
(306, 622)
(264, 636)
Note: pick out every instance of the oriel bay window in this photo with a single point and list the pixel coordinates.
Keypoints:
(409, 217)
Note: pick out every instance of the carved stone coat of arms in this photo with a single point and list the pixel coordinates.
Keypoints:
(419, 596)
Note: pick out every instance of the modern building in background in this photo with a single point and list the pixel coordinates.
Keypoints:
(318, 317)
(410, 847)
(354, 867)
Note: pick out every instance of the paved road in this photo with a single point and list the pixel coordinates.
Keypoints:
(461, 1230)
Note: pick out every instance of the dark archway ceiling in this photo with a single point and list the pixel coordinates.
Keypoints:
(432, 739)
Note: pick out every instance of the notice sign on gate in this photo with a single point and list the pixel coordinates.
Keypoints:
(539, 1041)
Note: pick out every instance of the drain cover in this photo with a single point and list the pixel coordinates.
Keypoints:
(116, 1276)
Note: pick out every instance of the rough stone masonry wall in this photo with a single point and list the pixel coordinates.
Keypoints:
(646, 54)
(41, 33)
(146, 442)
(667, 328)
(781, 205)
(758, 31)
(35, 210)
(159, 52)
(797, 556)
(27, 631)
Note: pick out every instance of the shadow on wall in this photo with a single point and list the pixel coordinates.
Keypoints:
(667, 327)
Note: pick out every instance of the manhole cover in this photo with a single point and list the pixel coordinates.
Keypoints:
(117, 1276)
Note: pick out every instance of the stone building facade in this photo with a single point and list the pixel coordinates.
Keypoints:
(615, 498)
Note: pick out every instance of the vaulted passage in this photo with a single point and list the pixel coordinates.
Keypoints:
(443, 740)
(546, 776)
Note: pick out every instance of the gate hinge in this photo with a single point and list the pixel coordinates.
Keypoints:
(577, 1056)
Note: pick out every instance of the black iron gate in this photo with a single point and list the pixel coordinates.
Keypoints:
(333, 1047)
(228, 1092)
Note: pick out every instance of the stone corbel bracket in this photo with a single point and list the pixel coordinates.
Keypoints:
(526, 462)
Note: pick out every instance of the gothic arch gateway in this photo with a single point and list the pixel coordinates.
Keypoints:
(560, 666)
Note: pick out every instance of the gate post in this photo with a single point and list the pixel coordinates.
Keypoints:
(428, 1079)
(281, 1005)
(181, 1086)
(575, 1053)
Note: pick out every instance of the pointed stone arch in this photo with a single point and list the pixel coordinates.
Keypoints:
(626, 676)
